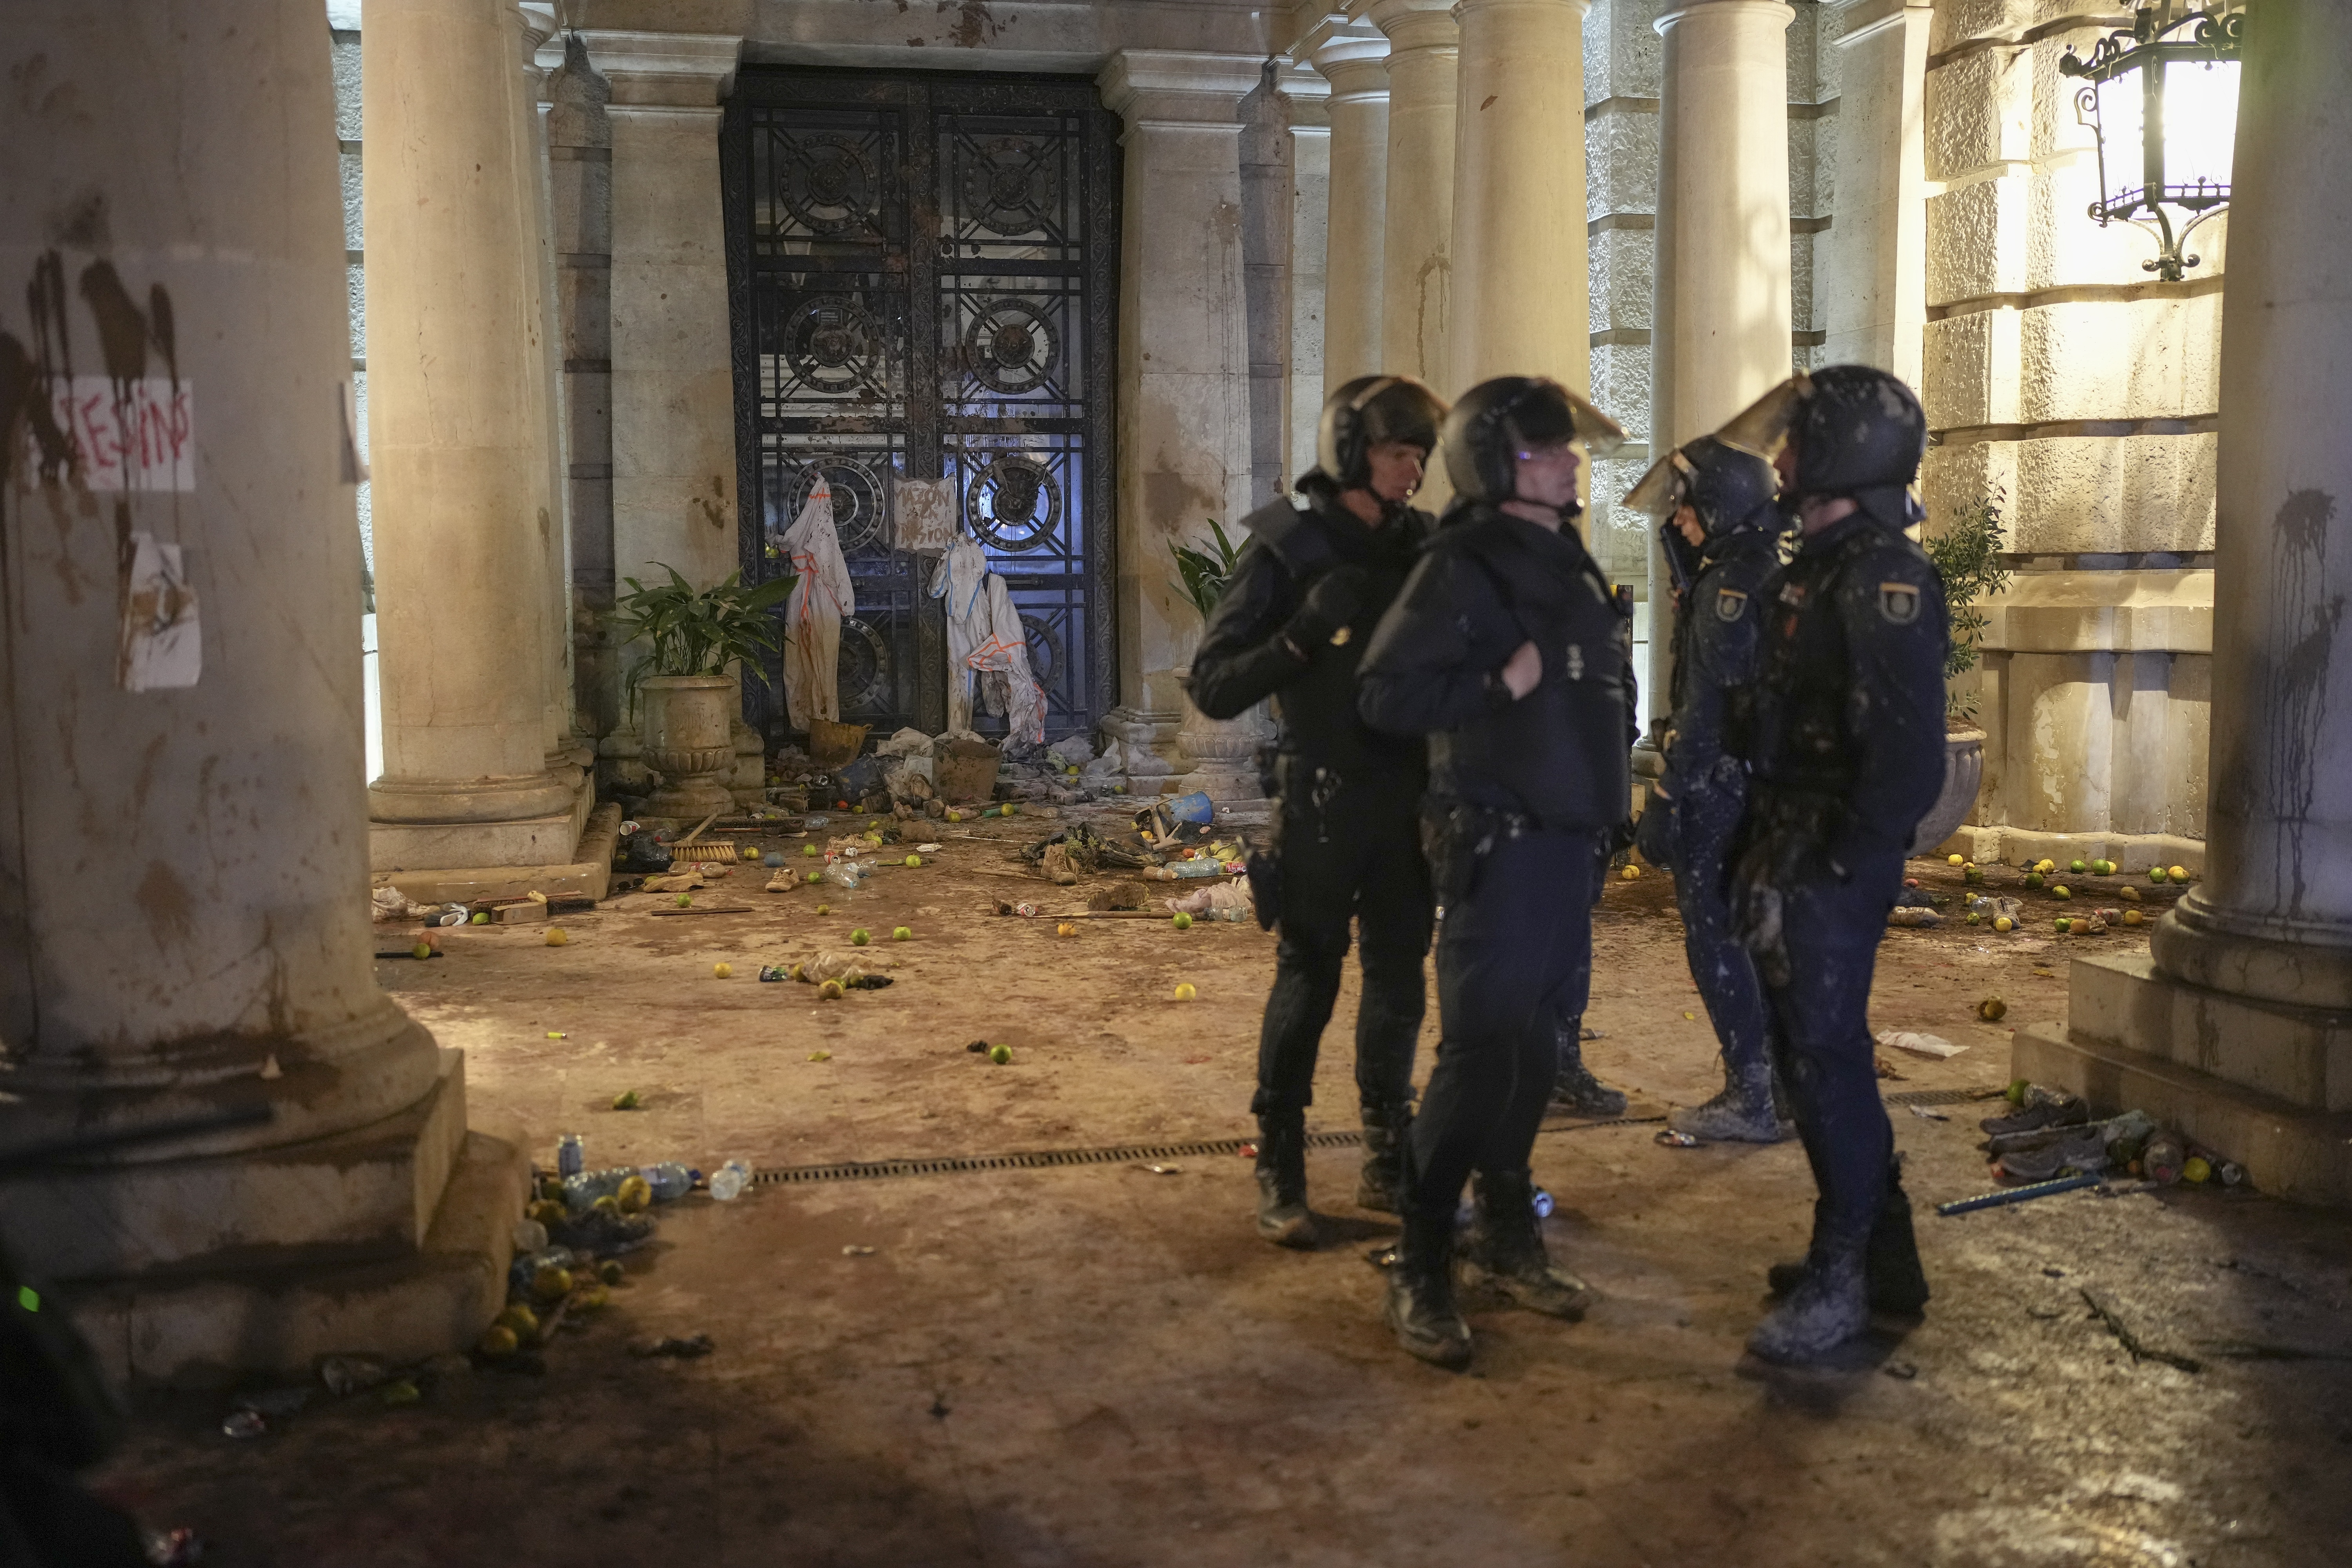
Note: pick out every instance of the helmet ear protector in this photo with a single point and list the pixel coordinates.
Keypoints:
(1366, 412)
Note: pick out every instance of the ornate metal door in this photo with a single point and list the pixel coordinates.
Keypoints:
(924, 281)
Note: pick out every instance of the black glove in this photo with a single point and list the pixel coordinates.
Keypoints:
(1653, 835)
(1331, 603)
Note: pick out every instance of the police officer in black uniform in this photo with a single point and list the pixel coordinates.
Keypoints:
(1722, 535)
(1511, 651)
(1848, 752)
(1310, 585)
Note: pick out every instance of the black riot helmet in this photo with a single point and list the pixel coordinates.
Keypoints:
(1366, 412)
(1858, 431)
(1729, 488)
(1496, 420)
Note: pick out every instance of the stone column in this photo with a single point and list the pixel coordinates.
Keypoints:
(1267, 243)
(1306, 95)
(579, 176)
(183, 871)
(672, 382)
(566, 757)
(2238, 1026)
(1720, 304)
(458, 423)
(1416, 277)
(1873, 260)
(1183, 404)
(1353, 58)
(1522, 299)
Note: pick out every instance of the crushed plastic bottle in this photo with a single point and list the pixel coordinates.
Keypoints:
(581, 1191)
(845, 873)
(570, 1155)
(1542, 1203)
(670, 1179)
(726, 1183)
(526, 1265)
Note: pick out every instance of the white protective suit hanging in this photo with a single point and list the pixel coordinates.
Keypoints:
(986, 641)
(812, 616)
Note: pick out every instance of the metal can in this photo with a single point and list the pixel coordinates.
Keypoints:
(570, 1158)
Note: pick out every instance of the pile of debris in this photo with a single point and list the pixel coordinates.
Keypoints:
(2052, 1134)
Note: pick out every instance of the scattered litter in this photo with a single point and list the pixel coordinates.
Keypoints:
(1157, 1169)
(1247, 1150)
(2015, 1195)
(855, 1251)
(1902, 1369)
(690, 1349)
(349, 1375)
(977, 1047)
(820, 1056)
(627, 1100)
(1673, 1138)
(1225, 902)
(1924, 1114)
(728, 1183)
(570, 1155)
(1886, 1068)
(1919, 1044)
(243, 1423)
(2131, 1341)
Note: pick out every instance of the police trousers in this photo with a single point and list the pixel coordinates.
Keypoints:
(1355, 856)
(1514, 956)
(1707, 821)
(1822, 1036)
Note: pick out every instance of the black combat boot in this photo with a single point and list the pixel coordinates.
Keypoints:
(1829, 1306)
(1574, 1089)
(1742, 1113)
(1897, 1285)
(1283, 1217)
(1386, 1128)
(1506, 1250)
(1420, 1307)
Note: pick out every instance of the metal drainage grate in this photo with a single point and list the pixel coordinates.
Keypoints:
(1048, 1158)
(1945, 1096)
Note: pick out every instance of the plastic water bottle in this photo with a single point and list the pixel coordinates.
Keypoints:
(570, 1155)
(670, 1179)
(844, 873)
(581, 1191)
(1542, 1203)
(728, 1182)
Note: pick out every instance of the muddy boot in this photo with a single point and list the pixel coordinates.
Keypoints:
(1282, 1214)
(1742, 1113)
(1574, 1089)
(1385, 1130)
(1505, 1250)
(1828, 1307)
(1420, 1307)
(1891, 1268)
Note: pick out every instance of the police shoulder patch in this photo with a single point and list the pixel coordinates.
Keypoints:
(1730, 603)
(1898, 603)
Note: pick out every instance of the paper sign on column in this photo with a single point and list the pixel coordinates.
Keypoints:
(161, 644)
(923, 515)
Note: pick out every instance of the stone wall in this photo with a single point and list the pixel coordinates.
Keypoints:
(2065, 382)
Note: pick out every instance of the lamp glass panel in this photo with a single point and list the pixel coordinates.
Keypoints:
(2119, 134)
(2200, 120)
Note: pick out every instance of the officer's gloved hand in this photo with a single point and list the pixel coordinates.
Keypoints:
(1654, 833)
(1330, 604)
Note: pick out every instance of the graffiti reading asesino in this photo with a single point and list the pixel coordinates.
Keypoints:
(129, 435)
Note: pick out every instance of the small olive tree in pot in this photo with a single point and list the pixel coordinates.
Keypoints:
(1967, 557)
(679, 685)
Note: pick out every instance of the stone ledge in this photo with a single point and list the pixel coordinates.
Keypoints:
(2133, 853)
(2288, 1153)
(372, 1189)
(207, 1331)
(2301, 1054)
(587, 875)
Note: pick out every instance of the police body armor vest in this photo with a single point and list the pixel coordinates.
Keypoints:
(1318, 723)
(1561, 753)
(1803, 740)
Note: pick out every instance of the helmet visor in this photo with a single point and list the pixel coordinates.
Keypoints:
(1661, 490)
(1763, 425)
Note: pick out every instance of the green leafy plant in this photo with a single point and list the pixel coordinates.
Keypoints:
(1205, 575)
(687, 631)
(1967, 554)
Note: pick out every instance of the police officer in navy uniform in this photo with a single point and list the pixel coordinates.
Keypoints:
(1848, 754)
(1513, 654)
(1309, 588)
(1722, 535)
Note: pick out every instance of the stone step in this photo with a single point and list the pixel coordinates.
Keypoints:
(203, 1326)
(2301, 1054)
(371, 1190)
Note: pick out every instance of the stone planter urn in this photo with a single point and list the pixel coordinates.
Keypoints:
(687, 741)
(1963, 777)
(1224, 752)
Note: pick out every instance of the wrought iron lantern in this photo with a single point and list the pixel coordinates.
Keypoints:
(2162, 102)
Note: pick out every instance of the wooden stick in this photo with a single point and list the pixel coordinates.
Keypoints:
(697, 830)
(742, 910)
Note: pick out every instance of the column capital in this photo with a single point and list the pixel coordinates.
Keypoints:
(1351, 54)
(1868, 19)
(665, 70)
(1307, 92)
(1778, 11)
(1176, 87)
(1415, 24)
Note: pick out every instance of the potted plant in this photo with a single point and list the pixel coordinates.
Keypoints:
(1967, 554)
(679, 684)
(1224, 751)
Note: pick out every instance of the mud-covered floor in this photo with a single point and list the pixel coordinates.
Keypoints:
(1100, 1364)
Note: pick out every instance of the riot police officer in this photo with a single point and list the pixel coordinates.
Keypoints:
(1310, 585)
(1848, 754)
(1721, 532)
(1511, 651)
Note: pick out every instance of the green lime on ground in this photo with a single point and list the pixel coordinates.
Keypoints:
(902, 933)
(1000, 1055)
(1183, 921)
(860, 936)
